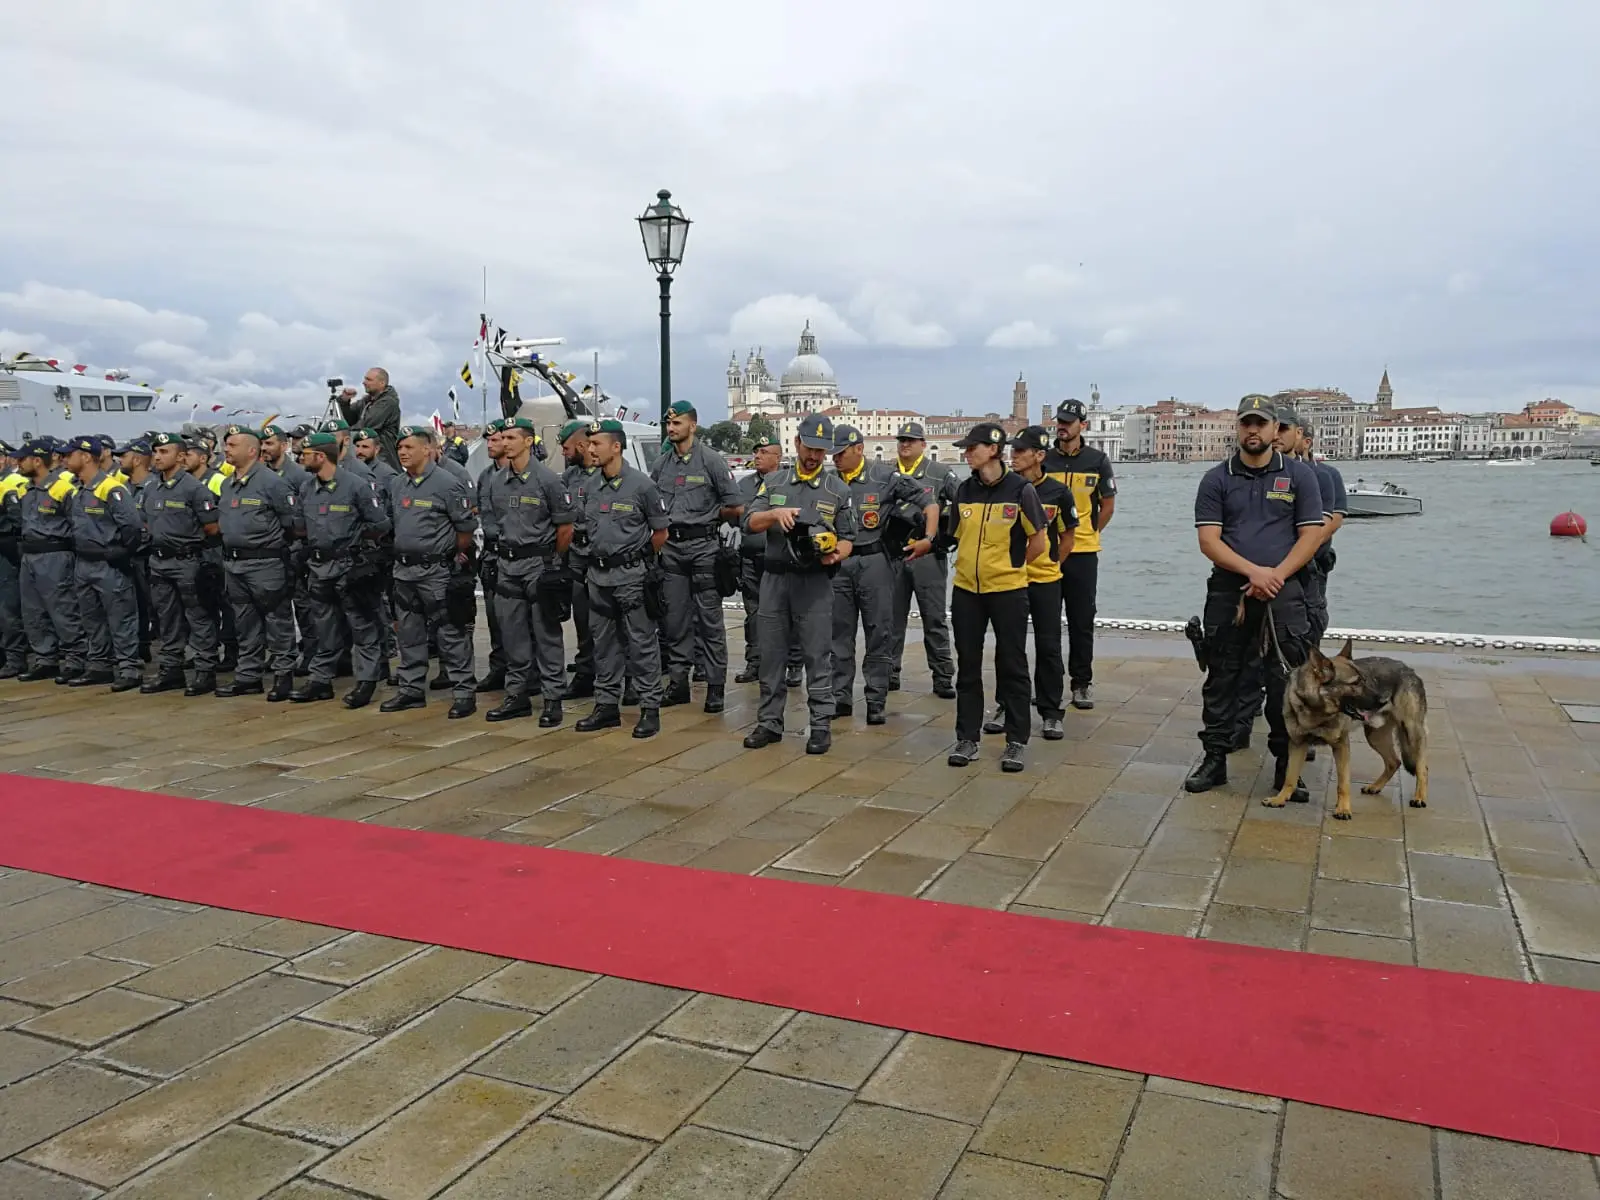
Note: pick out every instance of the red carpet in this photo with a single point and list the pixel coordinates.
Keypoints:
(1510, 1060)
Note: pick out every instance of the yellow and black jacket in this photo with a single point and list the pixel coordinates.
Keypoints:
(1061, 520)
(1088, 475)
(993, 525)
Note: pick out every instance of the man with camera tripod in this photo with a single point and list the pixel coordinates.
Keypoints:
(378, 410)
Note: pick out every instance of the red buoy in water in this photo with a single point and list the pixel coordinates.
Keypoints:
(1568, 524)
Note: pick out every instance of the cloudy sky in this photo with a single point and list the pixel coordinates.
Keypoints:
(1159, 197)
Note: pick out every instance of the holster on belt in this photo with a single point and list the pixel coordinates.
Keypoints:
(655, 593)
(725, 570)
(554, 591)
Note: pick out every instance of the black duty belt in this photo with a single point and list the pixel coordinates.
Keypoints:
(491, 545)
(166, 553)
(515, 553)
(423, 560)
(778, 566)
(245, 553)
(690, 533)
(614, 562)
(857, 550)
(328, 556)
(103, 553)
(48, 545)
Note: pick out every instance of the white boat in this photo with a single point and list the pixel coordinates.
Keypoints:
(38, 397)
(1509, 462)
(1386, 501)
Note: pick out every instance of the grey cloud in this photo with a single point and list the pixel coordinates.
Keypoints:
(1201, 200)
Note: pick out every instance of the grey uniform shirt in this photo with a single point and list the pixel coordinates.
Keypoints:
(488, 478)
(176, 511)
(823, 500)
(257, 511)
(621, 514)
(755, 546)
(696, 486)
(576, 480)
(104, 516)
(44, 510)
(528, 507)
(339, 511)
(455, 468)
(289, 471)
(429, 510)
(874, 493)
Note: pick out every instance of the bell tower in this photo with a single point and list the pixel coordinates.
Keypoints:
(735, 383)
(1385, 394)
(1019, 401)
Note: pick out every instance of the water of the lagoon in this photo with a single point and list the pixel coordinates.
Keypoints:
(1479, 559)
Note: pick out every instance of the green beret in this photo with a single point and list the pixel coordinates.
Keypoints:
(363, 435)
(321, 440)
(765, 440)
(494, 426)
(572, 427)
(275, 431)
(522, 423)
(335, 426)
(609, 425)
(167, 439)
(247, 430)
(418, 431)
(681, 408)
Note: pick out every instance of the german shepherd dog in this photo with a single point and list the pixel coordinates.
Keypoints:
(1323, 696)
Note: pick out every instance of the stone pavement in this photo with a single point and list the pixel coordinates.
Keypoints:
(156, 1049)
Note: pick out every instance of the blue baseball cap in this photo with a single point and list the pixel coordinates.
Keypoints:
(137, 446)
(88, 443)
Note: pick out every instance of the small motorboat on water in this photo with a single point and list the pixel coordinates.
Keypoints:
(1509, 462)
(1390, 500)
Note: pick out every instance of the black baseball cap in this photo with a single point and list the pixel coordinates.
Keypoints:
(845, 436)
(1070, 410)
(912, 431)
(1034, 437)
(816, 433)
(985, 433)
(1257, 405)
(1288, 416)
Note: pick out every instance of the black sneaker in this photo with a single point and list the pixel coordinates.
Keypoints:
(1013, 758)
(996, 723)
(761, 736)
(1211, 773)
(964, 754)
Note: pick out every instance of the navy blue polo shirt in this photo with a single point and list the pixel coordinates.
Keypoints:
(1331, 484)
(1260, 510)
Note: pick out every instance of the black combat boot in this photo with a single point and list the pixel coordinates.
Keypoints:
(509, 709)
(1212, 772)
(10, 670)
(462, 709)
(230, 656)
(166, 682)
(361, 695)
(241, 687)
(716, 699)
(649, 723)
(127, 683)
(820, 741)
(630, 695)
(604, 716)
(37, 672)
(876, 715)
(90, 679)
(795, 676)
(843, 708)
(441, 681)
(761, 736)
(402, 701)
(494, 681)
(313, 691)
(677, 693)
(750, 674)
(205, 684)
(552, 715)
(282, 688)
(581, 688)
(1280, 769)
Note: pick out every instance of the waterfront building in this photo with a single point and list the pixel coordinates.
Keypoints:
(1554, 414)
(1138, 436)
(1411, 432)
(807, 385)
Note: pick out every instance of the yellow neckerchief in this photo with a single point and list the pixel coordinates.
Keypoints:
(912, 469)
(805, 478)
(856, 474)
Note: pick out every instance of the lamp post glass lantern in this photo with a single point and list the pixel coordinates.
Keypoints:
(665, 231)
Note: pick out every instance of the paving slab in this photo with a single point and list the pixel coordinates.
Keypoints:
(826, 1050)
(1333, 1155)
(236, 1162)
(772, 1108)
(571, 1162)
(906, 1155)
(19, 1181)
(982, 1177)
(651, 1089)
(1184, 1146)
(939, 1077)
(1053, 1116)
(98, 1018)
(703, 1164)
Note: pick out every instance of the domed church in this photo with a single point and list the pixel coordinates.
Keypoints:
(807, 384)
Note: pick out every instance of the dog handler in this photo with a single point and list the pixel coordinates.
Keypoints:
(1259, 517)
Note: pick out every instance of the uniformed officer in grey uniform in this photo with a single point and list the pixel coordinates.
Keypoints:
(752, 559)
(700, 495)
(180, 517)
(259, 517)
(45, 574)
(864, 587)
(532, 514)
(434, 573)
(343, 517)
(489, 563)
(13, 637)
(106, 530)
(627, 521)
(574, 438)
(800, 502)
(275, 453)
(212, 581)
(929, 577)
(368, 452)
(133, 459)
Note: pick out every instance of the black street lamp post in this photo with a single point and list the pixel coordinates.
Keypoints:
(665, 230)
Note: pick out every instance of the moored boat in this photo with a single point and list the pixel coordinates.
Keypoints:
(1389, 500)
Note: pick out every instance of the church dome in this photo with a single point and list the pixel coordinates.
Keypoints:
(808, 369)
